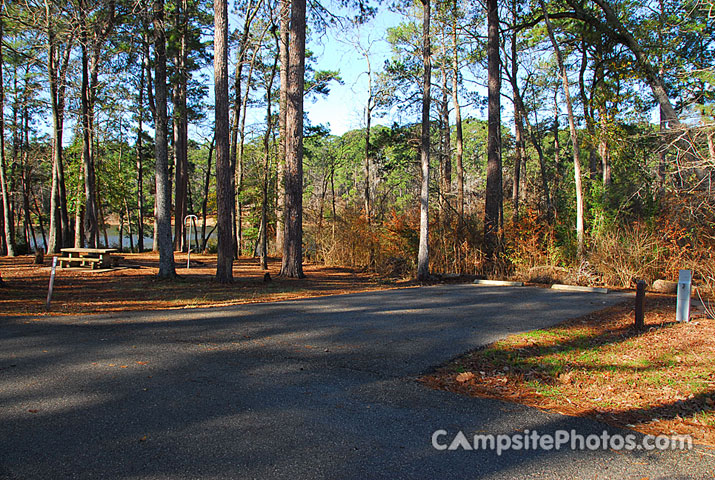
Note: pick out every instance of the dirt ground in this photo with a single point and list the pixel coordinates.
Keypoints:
(657, 381)
(134, 285)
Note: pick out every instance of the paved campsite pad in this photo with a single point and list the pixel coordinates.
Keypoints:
(316, 388)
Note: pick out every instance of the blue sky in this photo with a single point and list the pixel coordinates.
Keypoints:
(343, 108)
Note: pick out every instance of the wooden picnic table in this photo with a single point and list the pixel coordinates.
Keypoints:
(87, 257)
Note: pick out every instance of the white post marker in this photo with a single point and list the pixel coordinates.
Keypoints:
(193, 219)
(682, 309)
(52, 283)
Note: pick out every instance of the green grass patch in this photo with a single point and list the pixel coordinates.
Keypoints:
(706, 418)
(544, 389)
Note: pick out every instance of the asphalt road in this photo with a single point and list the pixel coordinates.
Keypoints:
(316, 388)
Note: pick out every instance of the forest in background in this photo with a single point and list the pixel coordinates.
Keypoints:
(571, 177)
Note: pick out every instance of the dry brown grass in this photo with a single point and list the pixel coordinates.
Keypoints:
(135, 286)
(658, 381)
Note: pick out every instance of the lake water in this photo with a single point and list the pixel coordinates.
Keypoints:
(113, 238)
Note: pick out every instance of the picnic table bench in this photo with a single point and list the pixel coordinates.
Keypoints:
(86, 257)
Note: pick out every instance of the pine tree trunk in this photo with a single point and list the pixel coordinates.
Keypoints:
(140, 159)
(55, 233)
(459, 147)
(446, 149)
(557, 129)
(161, 150)
(181, 132)
(26, 204)
(236, 166)
(129, 225)
(493, 202)
(603, 150)
(7, 219)
(574, 136)
(224, 194)
(518, 150)
(292, 264)
(267, 167)
(204, 202)
(102, 219)
(66, 227)
(662, 160)
(423, 252)
(40, 222)
(366, 162)
(91, 224)
(518, 124)
(79, 211)
(26, 178)
(283, 105)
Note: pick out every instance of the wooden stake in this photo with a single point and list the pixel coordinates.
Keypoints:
(640, 305)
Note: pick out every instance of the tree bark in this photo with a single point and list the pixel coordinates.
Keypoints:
(459, 147)
(368, 151)
(57, 64)
(493, 202)
(711, 148)
(140, 157)
(557, 128)
(26, 178)
(180, 131)
(445, 147)
(603, 150)
(236, 166)
(7, 219)
(204, 202)
(224, 194)
(292, 264)
(41, 223)
(518, 125)
(93, 34)
(518, 158)
(662, 155)
(103, 223)
(54, 242)
(129, 225)
(152, 108)
(572, 130)
(79, 211)
(26, 204)
(99, 34)
(55, 233)
(423, 252)
(267, 165)
(161, 149)
(91, 225)
(66, 227)
(282, 108)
